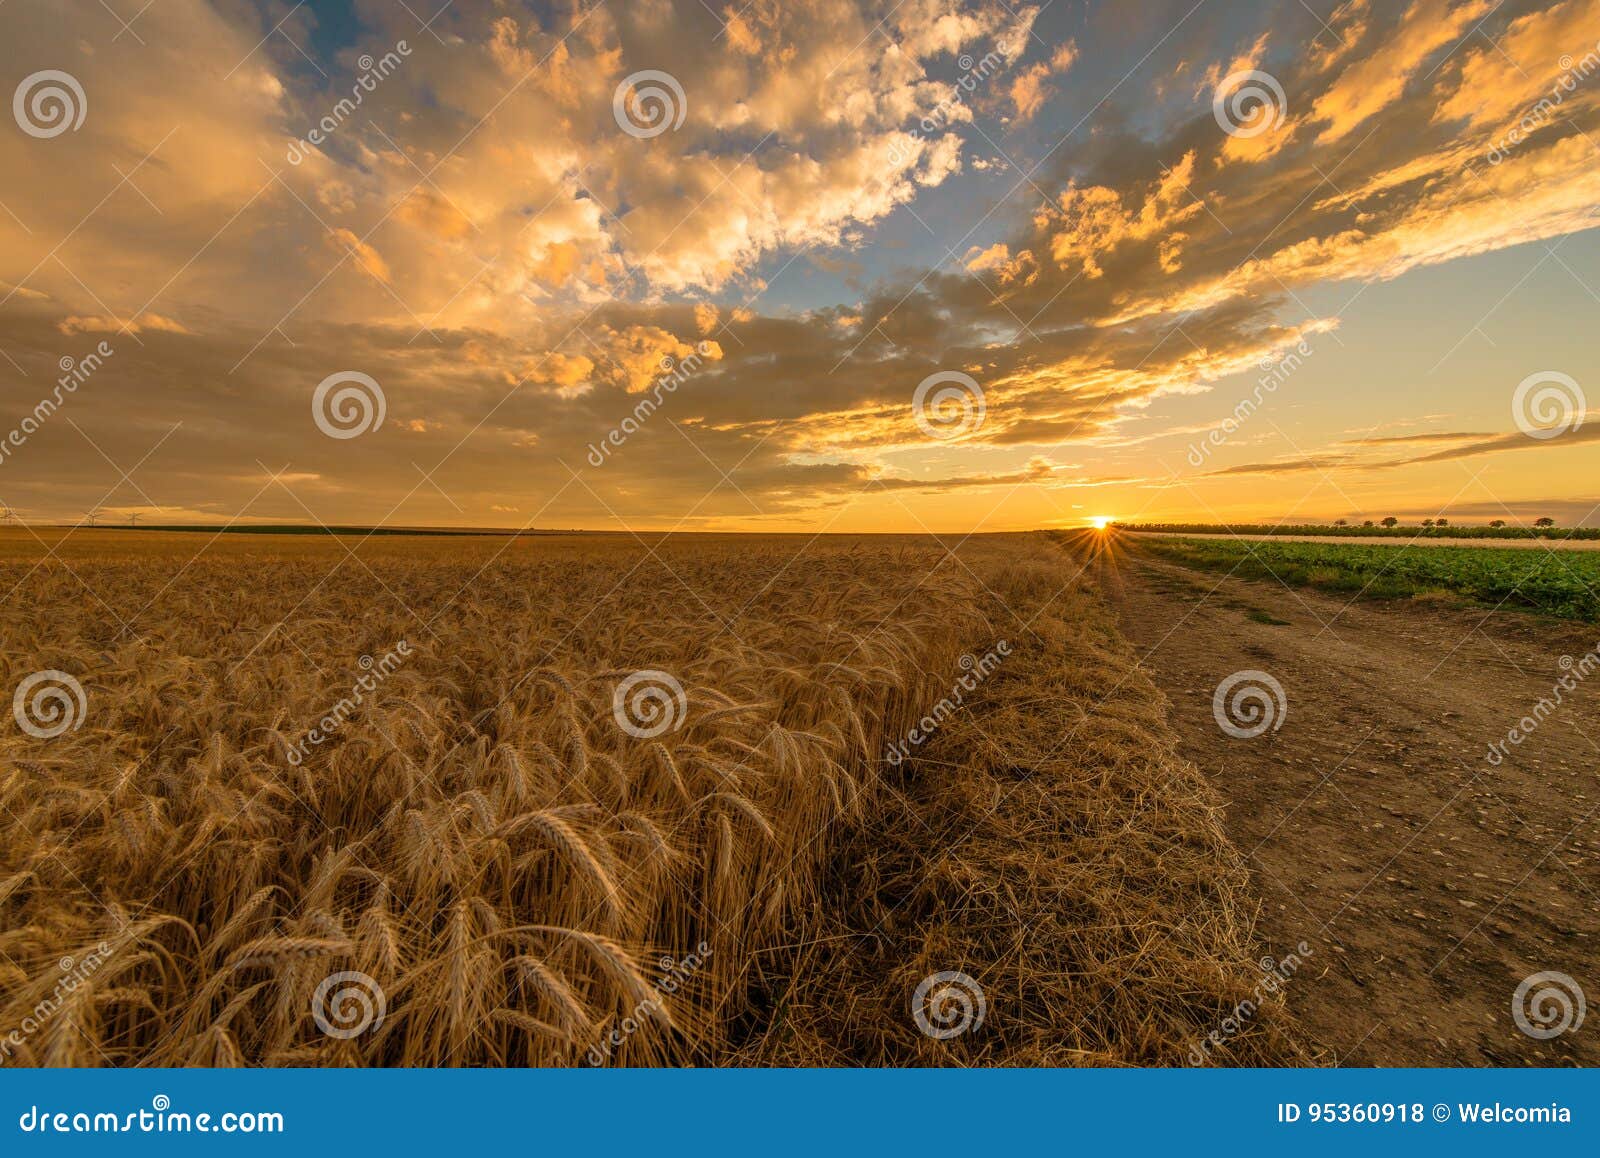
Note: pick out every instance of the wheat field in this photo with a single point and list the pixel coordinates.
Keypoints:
(595, 800)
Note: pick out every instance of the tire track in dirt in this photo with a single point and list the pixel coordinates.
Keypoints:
(1428, 881)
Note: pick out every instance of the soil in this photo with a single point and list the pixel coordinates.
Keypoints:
(1427, 881)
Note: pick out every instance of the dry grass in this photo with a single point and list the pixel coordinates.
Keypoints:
(511, 867)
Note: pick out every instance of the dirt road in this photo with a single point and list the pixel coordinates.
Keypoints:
(1428, 881)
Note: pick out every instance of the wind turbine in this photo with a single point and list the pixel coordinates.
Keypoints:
(93, 515)
(133, 519)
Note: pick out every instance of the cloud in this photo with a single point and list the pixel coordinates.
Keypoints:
(1086, 225)
(1292, 466)
(1038, 470)
(1029, 90)
(92, 324)
(1378, 77)
(521, 274)
(1413, 439)
(1466, 446)
(1515, 440)
(364, 255)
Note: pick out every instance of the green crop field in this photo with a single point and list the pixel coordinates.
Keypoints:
(1562, 583)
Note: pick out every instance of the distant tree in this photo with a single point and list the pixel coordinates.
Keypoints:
(1544, 522)
(1391, 521)
(1368, 523)
(1441, 522)
(1497, 522)
(1341, 522)
(1427, 522)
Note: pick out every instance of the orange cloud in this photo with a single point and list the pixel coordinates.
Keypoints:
(434, 215)
(92, 324)
(1378, 77)
(1029, 90)
(366, 257)
(1089, 223)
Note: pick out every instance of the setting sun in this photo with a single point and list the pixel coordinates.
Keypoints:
(1100, 522)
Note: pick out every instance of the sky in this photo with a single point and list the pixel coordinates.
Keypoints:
(799, 265)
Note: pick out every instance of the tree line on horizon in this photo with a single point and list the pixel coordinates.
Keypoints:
(1390, 526)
